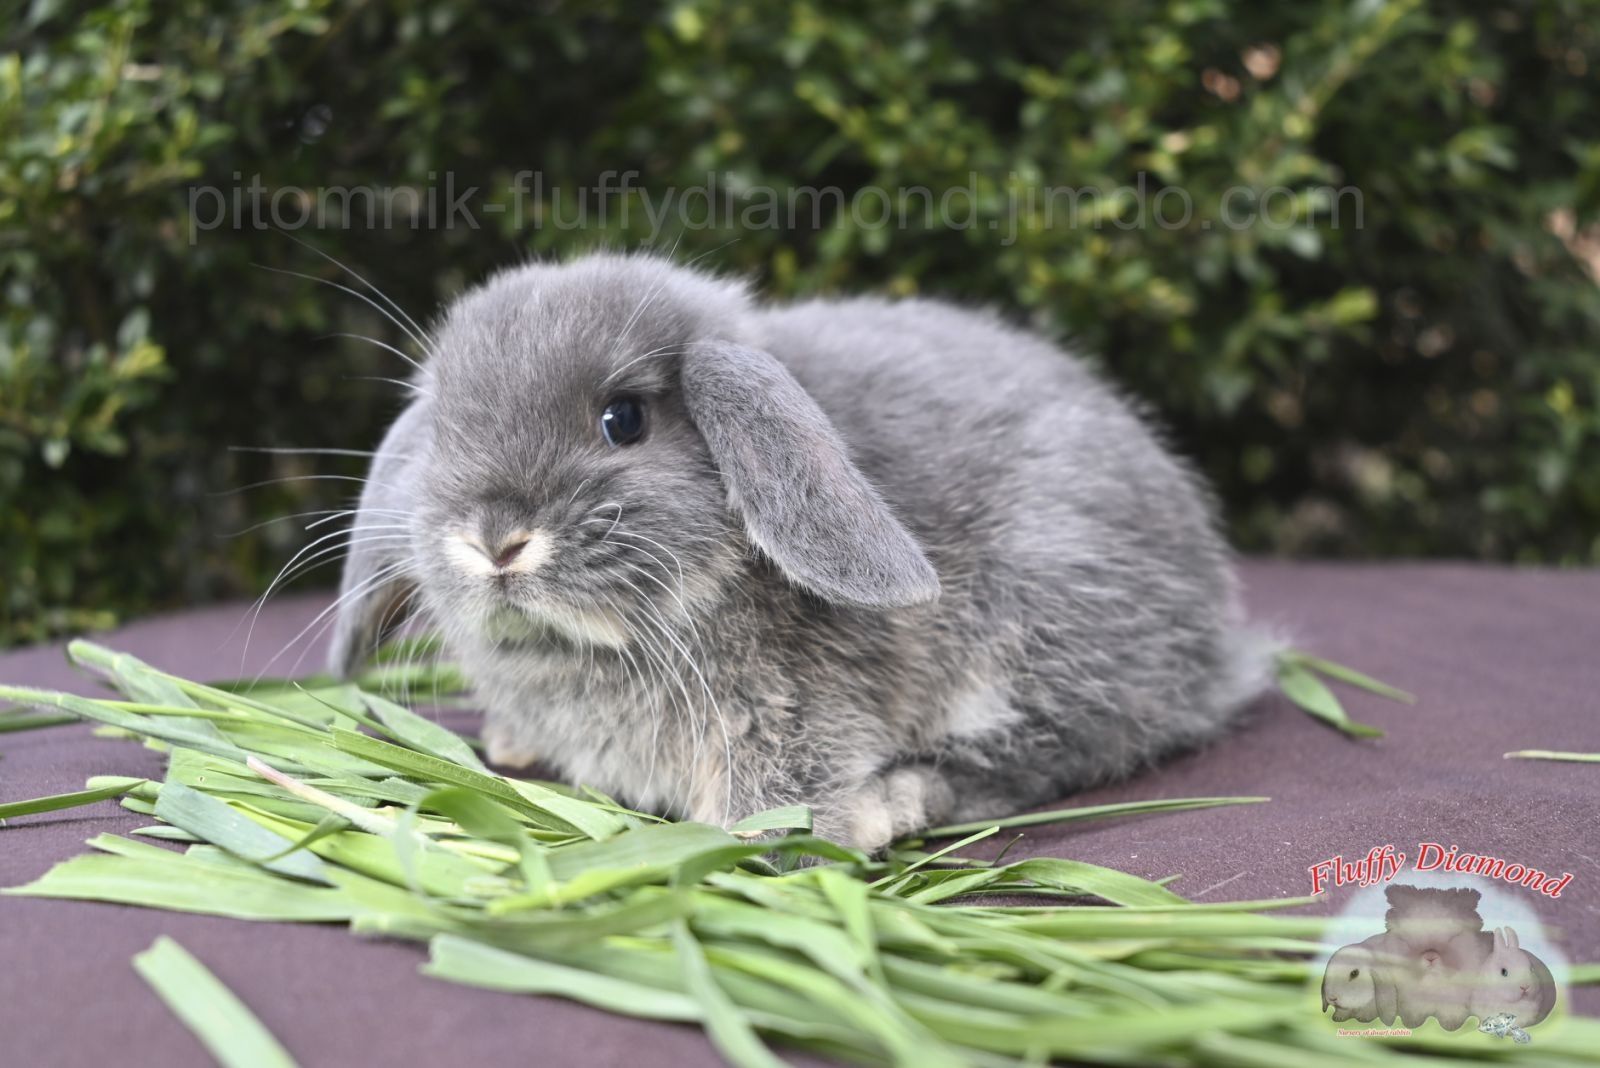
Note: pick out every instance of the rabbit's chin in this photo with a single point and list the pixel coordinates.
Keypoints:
(518, 622)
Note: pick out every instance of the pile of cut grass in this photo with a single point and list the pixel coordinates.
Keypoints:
(330, 803)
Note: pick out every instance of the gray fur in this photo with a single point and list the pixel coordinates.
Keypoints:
(895, 560)
(374, 589)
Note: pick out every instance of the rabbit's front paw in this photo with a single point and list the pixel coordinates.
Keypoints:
(883, 808)
(504, 749)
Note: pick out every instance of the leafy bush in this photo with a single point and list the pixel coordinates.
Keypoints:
(1409, 368)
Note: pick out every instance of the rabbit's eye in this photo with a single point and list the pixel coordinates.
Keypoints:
(622, 422)
(1504, 972)
(1354, 972)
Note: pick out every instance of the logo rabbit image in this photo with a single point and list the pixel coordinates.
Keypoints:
(1434, 958)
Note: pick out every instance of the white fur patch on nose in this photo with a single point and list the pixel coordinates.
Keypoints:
(472, 557)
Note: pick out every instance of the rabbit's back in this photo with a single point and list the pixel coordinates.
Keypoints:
(1083, 574)
(953, 411)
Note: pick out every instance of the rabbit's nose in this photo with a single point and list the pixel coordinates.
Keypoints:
(499, 554)
(507, 551)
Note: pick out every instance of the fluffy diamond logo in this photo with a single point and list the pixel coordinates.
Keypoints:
(1435, 958)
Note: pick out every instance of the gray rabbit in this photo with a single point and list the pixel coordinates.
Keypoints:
(897, 561)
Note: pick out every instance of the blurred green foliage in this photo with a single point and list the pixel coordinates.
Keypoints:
(1416, 376)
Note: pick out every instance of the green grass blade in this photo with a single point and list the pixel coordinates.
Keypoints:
(789, 818)
(13, 720)
(214, 821)
(653, 853)
(409, 648)
(1553, 754)
(725, 1022)
(1088, 924)
(849, 898)
(132, 675)
(194, 735)
(182, 884)
(222, 1023)
(659, 847)
(423, 734)
(866, 1007)
(559, 811)
(434, 872)
(966, 882)
(889, 883)
(1190, 907)
(1349, 675)
(593, 821)
(56, 802)
(371, 822)
(162, 832)
(482, 817)
(540, 933)
(462, 960)
(1312, 695)
(1090, 812)
(441, 681)
(117, 845)
(1078, 877)
(332, 823)
(832, 949)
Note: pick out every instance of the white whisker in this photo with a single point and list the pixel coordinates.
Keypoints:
(290, 571)
(292, 478)
(390, 513)
(373, 341)
(664, 351)
(328, 514)
(393, 382)
(410, 332)
(275, 451)
(420, 334)
(727, 742)
(378, 577)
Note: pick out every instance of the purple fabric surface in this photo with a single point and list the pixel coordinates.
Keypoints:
(1501, 660)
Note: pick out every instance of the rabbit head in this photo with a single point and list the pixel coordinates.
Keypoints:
(1348, 984)
(1512, 980)
(572, 422)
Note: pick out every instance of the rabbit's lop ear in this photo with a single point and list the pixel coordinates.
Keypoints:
(789, 475)
(375, 590)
